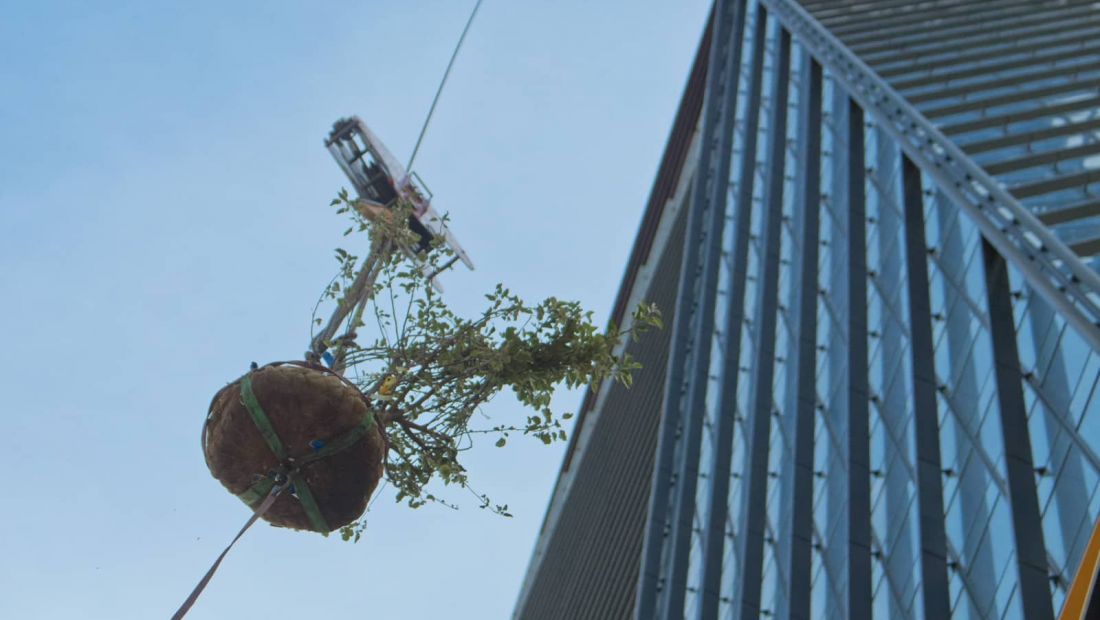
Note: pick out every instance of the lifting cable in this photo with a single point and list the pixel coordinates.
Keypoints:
(442, 82)
(279, 485)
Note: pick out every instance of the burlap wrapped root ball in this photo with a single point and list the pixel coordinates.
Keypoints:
(307, 408)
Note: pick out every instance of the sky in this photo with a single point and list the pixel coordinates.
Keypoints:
(164, 221)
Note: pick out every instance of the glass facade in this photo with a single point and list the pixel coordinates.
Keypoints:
(881, 392)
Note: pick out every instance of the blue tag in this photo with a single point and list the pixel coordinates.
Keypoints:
(328, 359)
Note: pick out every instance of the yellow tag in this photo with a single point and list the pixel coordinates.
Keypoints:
(387, 386)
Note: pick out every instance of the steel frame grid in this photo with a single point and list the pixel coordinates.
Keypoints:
(714, 524)
(983, 50)
(958, 31)
(1047, 263)
(886, 55)
(1031, 555)
(933, 538)
(859, 432)
(926, 151)
(933, 19)
(718, 107)
(1020, 35)
(1037, 55)
(801, 523)
(747, 602)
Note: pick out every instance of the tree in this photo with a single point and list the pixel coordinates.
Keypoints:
(429, 371)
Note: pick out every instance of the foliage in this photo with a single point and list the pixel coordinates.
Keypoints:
(429, 370)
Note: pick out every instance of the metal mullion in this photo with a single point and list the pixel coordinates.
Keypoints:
(898, 447)
(1054, 156)
(834, 319)
(830, 7)
(859, 441)
(1011, 118)
(961, 294)
(754, 502)
(681, 518)
(963, 29)
(888, 299)
(971, 56)
(1001, 578)
(831, 13)
(782, 580)
(1044, 259)
(1076, 84)
(891, 584)
(977, 448)
(1054, 184)
(1070, 213)
(893, 344)
(926, 420)
(928, 21)
(1024, 503)
(834, 438)
(714, 538)
(1030, 136)
(976, 71)
(990, 40)
(945, 266)
(829, 578)
(964, 577)
(1086, 248)
(801, 547)
(978, 88)
(679, 347)
(919, 15)
(902, 531)
(1068, 426)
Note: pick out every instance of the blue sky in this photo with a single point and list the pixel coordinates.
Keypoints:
(164, 222)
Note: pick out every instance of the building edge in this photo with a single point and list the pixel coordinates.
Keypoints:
(654, 230)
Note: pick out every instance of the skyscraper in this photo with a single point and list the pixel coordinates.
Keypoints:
(872, 235)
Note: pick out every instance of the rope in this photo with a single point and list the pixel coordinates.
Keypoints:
(194, 596)
(358, 296)
(439, 90)
(288, 474)
(301, 487)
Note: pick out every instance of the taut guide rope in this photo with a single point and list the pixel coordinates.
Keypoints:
(356, 299)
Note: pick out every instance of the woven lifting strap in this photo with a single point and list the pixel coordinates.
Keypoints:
(262, 495)
(293, 466)
(269, 499)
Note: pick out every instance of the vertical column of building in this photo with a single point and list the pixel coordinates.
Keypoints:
(668, 528)
(714, 521)
(833, 510)
(1031, 556)
(980, 576)
(1065, 463)
(800, 530)
(754, 501)
(926, 417)
(859, 432)
(891, 400)
(718, 512)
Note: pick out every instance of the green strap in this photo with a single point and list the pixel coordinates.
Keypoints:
(257, 492)
(248, 397)
(262, 488)
(343, 442)
(309, 504)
